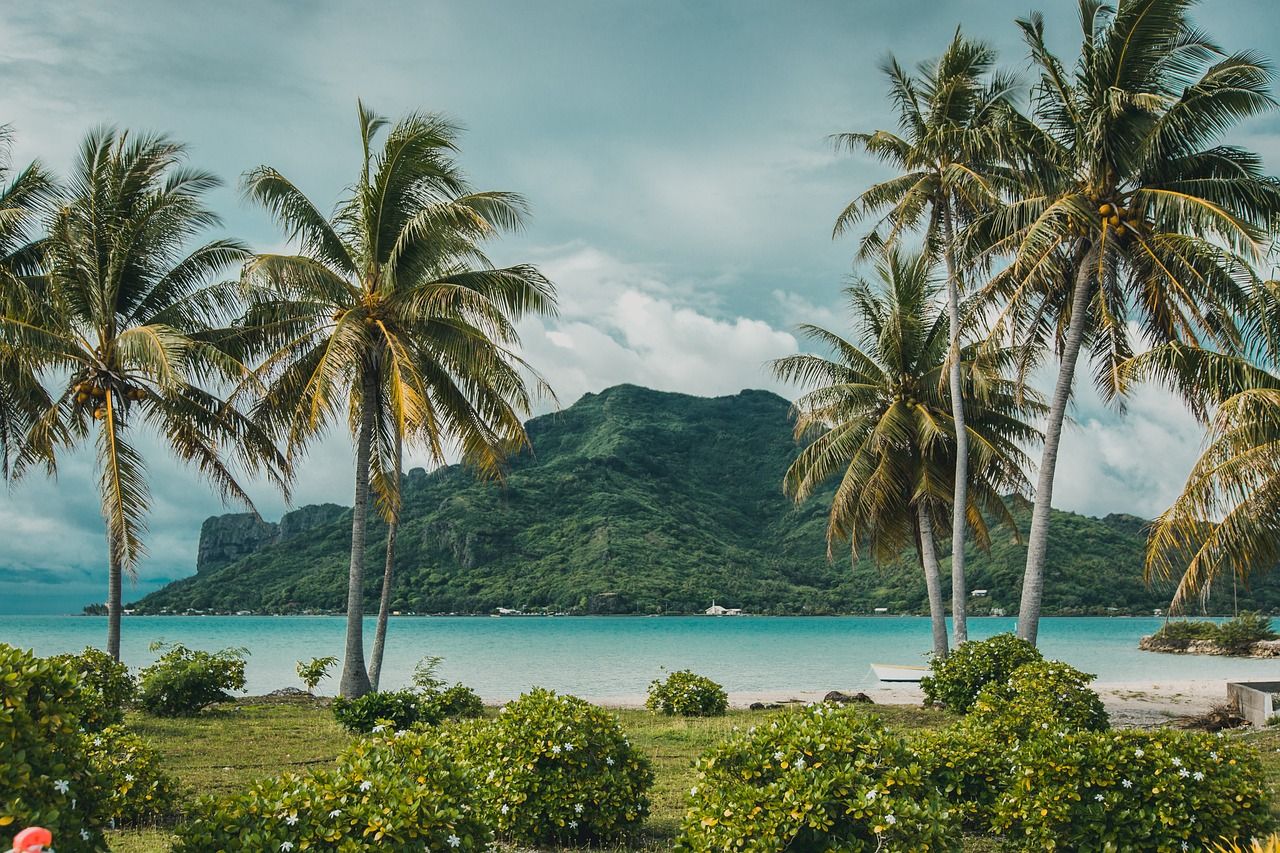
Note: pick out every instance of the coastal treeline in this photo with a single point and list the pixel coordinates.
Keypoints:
(1097, 209)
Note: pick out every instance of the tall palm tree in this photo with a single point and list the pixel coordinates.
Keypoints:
(24, 199)
(1130, 212)
(123, 325)
(879, 416)
(1227, 517)
(947, 158)
(390, 313)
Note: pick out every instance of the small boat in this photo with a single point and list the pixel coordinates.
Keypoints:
(899, 673)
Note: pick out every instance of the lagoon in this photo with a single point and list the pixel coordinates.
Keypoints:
(614, 657)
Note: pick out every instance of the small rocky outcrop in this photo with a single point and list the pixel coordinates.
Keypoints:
(1260, 649)
(845, 699)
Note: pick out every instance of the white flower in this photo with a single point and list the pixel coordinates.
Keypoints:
(573, 824)
(366, 785)
(453, 841)
(568, 747)
(609, 761)
(62, 786)
(778, 756)
(1198, 776)
(577, 808)
(890, 819)
(1184, 773)
(1186, 845)
(505, 808)
(128, 777)
(1099, 797)
(1177, 762)
(335, 813)
(1139, 752)
(693, 792)
(84, 835)
(555, 750)
(1214, 756)
(96, 742)
(378, 729)
(1126, 783)
(292, 820)
(1044, 725)
(871, 795)
(799, 765)
(286, 846)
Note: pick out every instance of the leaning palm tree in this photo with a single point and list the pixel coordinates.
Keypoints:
(24, 199)
(1131, 214)
(390, 313)
(1226, 520)
(123, 325)
(947, 157)
(879, 416)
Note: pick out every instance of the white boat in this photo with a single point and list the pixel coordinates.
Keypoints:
(899, 673)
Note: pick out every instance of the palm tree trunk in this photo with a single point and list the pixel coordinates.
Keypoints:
(932, 581)
(1038, 540)
(113, 600)
(355, 679)
(384, 606)
(960, 504)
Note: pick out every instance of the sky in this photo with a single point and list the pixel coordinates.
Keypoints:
(676, 157)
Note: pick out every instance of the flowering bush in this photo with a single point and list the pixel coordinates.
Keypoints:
(401, 792)
(398, 709)
(969, 765)
(556, 770)
(458, 702)
(1159, 790)
(823, 778)
(957, 680)
(128, 769)
(1038, 697)
(108, 683)
(183, 681)
(45, 777)
(688, 694)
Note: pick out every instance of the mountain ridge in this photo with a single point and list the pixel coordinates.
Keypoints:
(640, 501)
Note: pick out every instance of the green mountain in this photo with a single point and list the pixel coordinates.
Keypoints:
(639, 501)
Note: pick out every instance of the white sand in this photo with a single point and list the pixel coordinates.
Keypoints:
(1135, 703)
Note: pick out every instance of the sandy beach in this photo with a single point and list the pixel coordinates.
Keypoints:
(1132, 703)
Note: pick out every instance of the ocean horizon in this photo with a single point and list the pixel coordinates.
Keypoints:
(615, 657)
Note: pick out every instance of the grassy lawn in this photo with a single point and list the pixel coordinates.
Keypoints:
(224, 749)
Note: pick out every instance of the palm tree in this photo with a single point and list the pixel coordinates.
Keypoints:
(390, 314)
(881, 414)
(24, 198)
(1227, 517)
(123, 325)
(1130, 211)
(947, 159)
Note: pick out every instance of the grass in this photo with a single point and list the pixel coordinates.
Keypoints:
(224, 749)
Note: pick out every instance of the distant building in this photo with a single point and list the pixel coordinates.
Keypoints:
(979, 593)
(882, 610)
(717, 610)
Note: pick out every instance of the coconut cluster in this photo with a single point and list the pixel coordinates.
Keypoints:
(93, 392)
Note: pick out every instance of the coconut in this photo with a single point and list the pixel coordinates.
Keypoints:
(1106, 210)
(99, 414)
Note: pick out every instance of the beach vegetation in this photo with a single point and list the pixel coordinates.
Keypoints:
(1269, 844)
(428, 703)
(687, 694)
(183, 682)
(1132, 790)
(821, 777)
(1041, 696)
(875, 418)
(390, 318)
(969, 764)
(402, 792)
(137, 790)
(109, 684)
(555, 769)
(955, 683)
(1235, 636)
(46, 775)
(313, 671)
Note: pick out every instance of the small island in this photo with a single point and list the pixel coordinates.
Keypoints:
(1248, 635)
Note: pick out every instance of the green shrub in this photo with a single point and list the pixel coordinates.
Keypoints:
(1132, 790)
(1179, 634)
(822, 778)
(1040, 696)
(108, 683)
(1239, 634)
(556, 770)
(957, 680)
(45, 777)
(394, 709)
(128, 769)
(183, 681)
(313, 671)
(688, 694)
(458, 702)
(398, 793)
(969, 765)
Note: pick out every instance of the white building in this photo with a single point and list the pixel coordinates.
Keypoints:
(717, 610)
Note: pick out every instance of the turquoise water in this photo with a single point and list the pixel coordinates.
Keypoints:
(613, 657)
